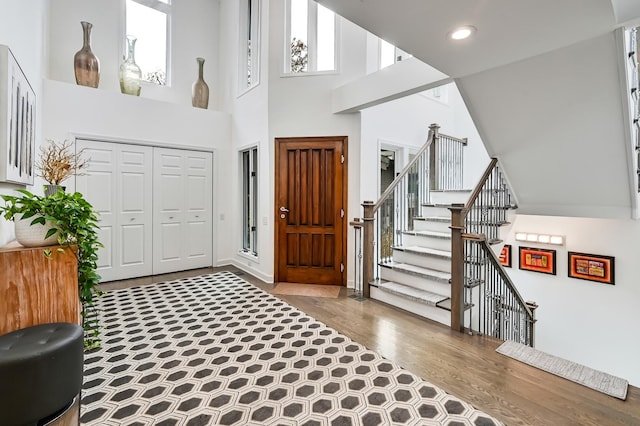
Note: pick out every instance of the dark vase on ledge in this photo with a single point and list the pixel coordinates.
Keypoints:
(86, 65)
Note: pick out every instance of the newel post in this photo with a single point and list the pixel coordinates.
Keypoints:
(457, 267)
(367, 247)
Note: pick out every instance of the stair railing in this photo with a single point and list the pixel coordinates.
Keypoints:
(478, 280)
(446, 162)
(385, 220)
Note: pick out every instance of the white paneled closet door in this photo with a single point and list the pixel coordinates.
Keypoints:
(182, 199)
(118, 183)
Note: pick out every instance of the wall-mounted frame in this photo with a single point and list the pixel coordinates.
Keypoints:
(592, 267)
(17, 122)
(505, 256)
(537, 260)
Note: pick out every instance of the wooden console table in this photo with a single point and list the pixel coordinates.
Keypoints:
(35, 289)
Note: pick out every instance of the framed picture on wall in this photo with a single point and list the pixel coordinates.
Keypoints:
(17, 122)
(592, 267)
(537, 260)
(505, 256)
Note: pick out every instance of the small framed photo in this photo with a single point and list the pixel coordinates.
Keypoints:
(591, 267)
(537, 260)
(505, 256)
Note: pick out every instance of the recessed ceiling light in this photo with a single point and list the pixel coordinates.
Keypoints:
(462, 32)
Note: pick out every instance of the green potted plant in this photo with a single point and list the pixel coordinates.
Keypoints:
(75, 222)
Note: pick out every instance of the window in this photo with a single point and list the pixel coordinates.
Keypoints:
(311, 38)
(249, 159)
(148, 21)
(389, 54)
(249, 43)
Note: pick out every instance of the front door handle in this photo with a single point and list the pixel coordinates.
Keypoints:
(284, 209)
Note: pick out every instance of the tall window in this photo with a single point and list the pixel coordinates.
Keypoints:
(311, 37)
(249, 43)
(149, 21)
(389, 54)
(249, 159)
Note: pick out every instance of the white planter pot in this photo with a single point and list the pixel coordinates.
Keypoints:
(33, 235)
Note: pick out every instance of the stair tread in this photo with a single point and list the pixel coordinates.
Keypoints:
(426, 297)
(424, 250)
(446, 304)
(434, 234)
(433, 218)
(418, 270)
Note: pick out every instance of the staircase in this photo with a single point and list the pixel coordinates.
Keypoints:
(437, 249)
(418, 277)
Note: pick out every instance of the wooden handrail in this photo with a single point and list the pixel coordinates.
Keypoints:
(476, 191)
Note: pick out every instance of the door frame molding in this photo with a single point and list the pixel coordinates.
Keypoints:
(345, 196)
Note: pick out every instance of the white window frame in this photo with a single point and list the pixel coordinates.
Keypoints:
(165, 8)
(249, 200)
(312, 45)
(244, 85)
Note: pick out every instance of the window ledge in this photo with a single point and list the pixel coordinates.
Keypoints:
(249, 256)
(308, 74)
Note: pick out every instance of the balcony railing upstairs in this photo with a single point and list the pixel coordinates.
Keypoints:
(481, 290)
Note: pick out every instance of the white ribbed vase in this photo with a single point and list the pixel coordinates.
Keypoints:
(33, 236)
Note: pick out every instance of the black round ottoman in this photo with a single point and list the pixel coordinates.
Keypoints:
(40, 372)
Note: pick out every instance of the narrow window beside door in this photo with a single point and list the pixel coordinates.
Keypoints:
(249, 160)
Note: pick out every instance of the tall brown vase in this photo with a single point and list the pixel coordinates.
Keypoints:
(200, 89)
(85, 63)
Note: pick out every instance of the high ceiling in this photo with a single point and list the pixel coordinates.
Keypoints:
(507, 30)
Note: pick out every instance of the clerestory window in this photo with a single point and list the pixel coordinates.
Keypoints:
(390, 54)
(311, 40)
(249, 44)
(149, 22)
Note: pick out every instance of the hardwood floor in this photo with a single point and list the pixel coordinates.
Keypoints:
(463, 365)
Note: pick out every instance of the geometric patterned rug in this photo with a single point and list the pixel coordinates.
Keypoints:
(216, 350)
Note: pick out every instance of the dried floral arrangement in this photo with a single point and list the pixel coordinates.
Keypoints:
(58, 161)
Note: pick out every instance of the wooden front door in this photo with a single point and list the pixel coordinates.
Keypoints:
(310, 201)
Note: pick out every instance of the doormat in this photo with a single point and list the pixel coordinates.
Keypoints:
(311, 290)
(594, 379)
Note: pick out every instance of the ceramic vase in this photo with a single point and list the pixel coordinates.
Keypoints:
(86, 65)
(130, 73)
(200, 89)
(34, 235)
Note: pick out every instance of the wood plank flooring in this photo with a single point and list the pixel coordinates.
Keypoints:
(463, 365)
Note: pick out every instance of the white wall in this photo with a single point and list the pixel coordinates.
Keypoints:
(161, 115)
(22, 27)
(194, 34)
(249, 127)
(587, 322)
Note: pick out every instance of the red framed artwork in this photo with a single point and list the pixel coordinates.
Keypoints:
(505, 256)
(591, 267)
(538, 260)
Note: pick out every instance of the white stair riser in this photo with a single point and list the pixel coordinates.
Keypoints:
(419, 282)
(425, 261)
(446, 197)
(427, 241)
(435, 211)
(428, 225)
(436, 314)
